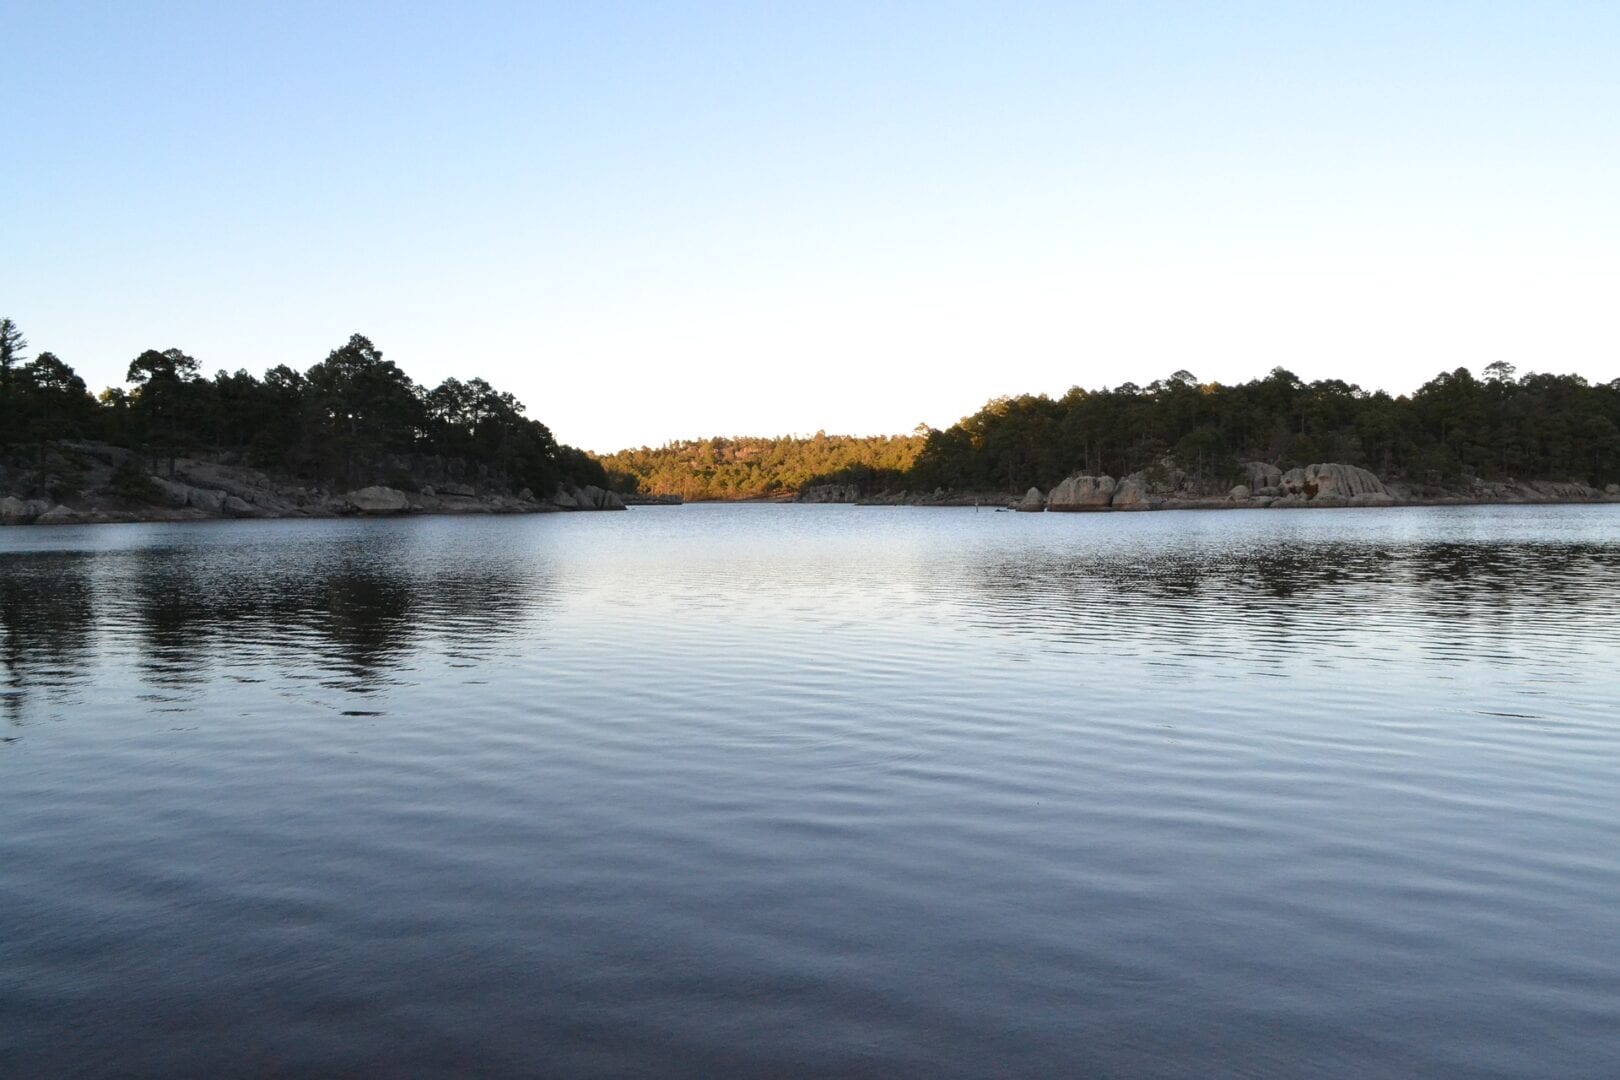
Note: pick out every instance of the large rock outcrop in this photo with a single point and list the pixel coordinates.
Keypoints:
(1330, 481)
(1032, 502)
(377, 500)
(589, 497)
(59, 515)
(1262, 475)
(209, 500)
(1132, 493)
(178, 495)
(101, 483)
(1082, 492)
(171, 493)
(1555, 490)
(829, 493)
(212, 484)
(15, 511)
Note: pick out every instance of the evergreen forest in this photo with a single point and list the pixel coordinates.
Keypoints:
(356, 418)
(1496, 426)
(351, 419)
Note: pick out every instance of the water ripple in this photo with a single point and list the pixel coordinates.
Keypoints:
(770, 790)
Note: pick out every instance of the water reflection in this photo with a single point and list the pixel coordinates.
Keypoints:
(815, 790)
(46, 626)
(1291, 599)
(349, 615)
(357, 612)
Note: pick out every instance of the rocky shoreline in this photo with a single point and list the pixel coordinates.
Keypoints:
(94, 483)
(1319, 486)
(90, 483)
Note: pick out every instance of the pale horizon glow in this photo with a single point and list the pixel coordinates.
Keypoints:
(652, 222)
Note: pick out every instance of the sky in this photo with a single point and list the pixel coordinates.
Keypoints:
(660, 221)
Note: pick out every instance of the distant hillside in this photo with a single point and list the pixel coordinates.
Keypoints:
(753, 468)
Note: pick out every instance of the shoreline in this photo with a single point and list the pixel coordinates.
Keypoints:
(502, 507)
(1325, 485)
(184, 517)
(1225, 504)
(100, 484)
(383, 503)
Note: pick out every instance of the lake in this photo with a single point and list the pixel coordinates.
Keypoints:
(814, 790)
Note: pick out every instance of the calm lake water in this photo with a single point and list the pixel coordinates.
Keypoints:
(814, 790)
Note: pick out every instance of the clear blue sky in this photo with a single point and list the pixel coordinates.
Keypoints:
(662, 220)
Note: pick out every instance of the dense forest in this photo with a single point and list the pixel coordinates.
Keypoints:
(1454, 427)
(351, 419)
(752, 468)
(356, 418)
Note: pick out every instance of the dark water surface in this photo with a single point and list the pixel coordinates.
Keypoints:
(767, 790)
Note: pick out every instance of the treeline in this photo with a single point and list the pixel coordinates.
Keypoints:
(351, 419)
(752, 468)
(1456, 426)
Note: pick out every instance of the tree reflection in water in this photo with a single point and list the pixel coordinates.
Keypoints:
(47, 621)
(346, 616)
(1271, 602)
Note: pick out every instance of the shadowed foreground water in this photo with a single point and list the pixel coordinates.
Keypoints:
(815, 790)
